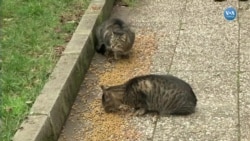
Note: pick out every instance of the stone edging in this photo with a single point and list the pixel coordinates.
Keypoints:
(51, 108)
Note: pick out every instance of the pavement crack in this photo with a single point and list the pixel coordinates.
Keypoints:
(155, 125)
(238, 80)
(181, 23)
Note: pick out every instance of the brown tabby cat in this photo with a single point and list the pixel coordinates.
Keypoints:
(115, 36)
(165, 94)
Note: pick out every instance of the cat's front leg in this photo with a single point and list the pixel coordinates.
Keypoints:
(117, 55)
(108, 50)
(126, 54)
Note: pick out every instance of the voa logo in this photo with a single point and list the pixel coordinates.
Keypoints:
(230, 13)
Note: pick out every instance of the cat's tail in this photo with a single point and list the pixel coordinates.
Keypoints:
(117, 21)
(99, 47)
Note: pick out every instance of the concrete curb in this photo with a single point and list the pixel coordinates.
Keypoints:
(52, 106)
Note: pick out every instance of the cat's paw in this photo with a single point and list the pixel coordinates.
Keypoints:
(139, 112)
(117, 57)
(110, 60)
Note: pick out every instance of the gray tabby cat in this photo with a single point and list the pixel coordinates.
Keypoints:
(164, 94)
(115, 36)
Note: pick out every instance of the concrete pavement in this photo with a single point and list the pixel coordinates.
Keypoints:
(189, 39)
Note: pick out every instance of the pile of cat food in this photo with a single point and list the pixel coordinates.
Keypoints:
(116, 126)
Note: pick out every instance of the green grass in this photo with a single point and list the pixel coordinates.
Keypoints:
(32, 31)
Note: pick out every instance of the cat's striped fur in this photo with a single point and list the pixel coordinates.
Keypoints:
(115, 36)
(165, 94)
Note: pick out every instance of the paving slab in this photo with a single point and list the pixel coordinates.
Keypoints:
(167, 38)
(244, 98)
(158, 11)
(244, 41)
(188, 39)
(245, 62)
(209, 37)
(210, 47)
(244, 16)
(206, 11)
(206, 62)
(244, 13)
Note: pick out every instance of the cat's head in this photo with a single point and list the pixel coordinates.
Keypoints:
(118, 37)
(112, 98)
